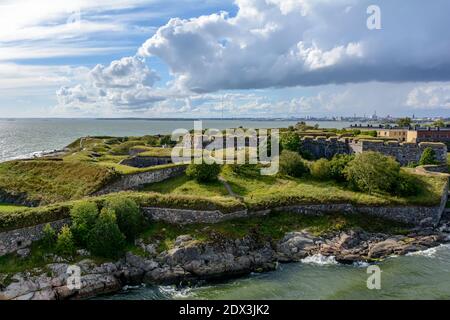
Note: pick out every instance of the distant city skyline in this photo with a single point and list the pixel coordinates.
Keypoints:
(223, 58)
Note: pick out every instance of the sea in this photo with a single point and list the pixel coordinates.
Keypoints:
(423, 275)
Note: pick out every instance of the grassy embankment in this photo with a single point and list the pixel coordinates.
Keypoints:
(52, 181)
(85, 168)
(272, 191)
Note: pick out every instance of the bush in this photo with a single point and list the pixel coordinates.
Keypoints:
(321, 170)
(428, 157)
(290, 141)
(129, 217)
(292, 164)
(203, 172)
(105, 239)
(49, 236)
(372, 171)
(338, 165)
(406, 185)
(65, 244)
(84, 215)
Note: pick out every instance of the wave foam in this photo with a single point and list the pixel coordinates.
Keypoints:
(320, 259)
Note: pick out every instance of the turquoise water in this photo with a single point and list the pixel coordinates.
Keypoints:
(22, 137)
(425, 275)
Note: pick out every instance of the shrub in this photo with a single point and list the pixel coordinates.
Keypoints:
(406, 185)
(338, 165)
(372, 171)
(292, 164)
(65, 244)
(428, 157)
(105, 239)
(128, 214)
(321, 169)
(203, 172)
(49, 236)
(84, 215)
(290, 141)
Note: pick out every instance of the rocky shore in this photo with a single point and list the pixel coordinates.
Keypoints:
(190, 261)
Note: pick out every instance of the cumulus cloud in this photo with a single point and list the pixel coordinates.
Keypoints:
(274, 43)
(436, 96)
(127, 83)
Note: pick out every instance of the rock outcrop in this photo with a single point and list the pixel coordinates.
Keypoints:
(191, 260)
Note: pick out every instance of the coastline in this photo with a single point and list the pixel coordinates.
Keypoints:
(191, 261)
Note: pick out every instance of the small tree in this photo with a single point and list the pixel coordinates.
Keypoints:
(439, 123)
(428, 157)
(292, 164)
(105, 239)
(49, 236)
(372, 171)
(203, 172)
(290, 141)
(84, 215)
(65, 244)
(338, 165)
(404, 122)
(128, 214)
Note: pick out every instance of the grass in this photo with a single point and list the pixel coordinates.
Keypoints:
(262, 192)
(268, 191)
(8, 208)
(153, 152)
(271, 227)
(34, 216)
(123, 169)
(52, 181)
(183, 185)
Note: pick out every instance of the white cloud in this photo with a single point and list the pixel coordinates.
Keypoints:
(433, 96)
(124, 84)
(303, 42)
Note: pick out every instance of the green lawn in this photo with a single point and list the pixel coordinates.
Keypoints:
(7, 208)
(261, 192)
(183, 185)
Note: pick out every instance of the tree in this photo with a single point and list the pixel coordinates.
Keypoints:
(338, 165)
(65, 244)
(372, 171)
(128, 214)
(84, 216)
(290, 141)
(105, 239)
(428, 157)
(203, 172)
(404, 122)
(439, 123)
(292, 164)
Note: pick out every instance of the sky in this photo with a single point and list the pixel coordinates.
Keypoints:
(208, 58)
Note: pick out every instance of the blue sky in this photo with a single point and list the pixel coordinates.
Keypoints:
(191, 58)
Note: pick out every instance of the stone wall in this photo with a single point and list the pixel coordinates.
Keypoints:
(12, 241)
(415, 215)
(17, 199)
(322, 147)
(145, 162)
(404, 153)
(134, 181)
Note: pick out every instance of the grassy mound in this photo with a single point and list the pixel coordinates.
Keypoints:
(53, 181)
